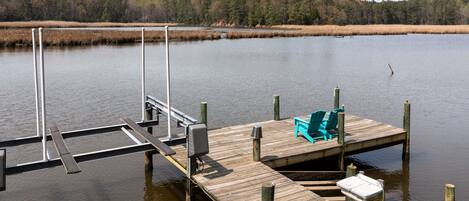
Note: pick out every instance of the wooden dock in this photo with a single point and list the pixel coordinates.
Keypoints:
(229, 172)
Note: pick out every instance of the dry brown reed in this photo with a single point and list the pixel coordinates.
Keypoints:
(22, 37)
(49, 24)
(351, 30)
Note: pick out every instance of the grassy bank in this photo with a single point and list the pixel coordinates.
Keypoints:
(17, 34)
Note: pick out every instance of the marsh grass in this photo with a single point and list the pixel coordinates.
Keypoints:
(22, 37)
(50, 24)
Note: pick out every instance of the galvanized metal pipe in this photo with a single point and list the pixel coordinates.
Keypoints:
(131, 136)
(43, 96)
(143, 75)
(36, 86)
(168, 81)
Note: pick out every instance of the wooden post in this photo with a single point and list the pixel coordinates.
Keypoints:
(256, 142)
(341, 139)
(149, 154)
(383, 197)
(276, 107)
(268, 191)
(149, 192)
(351, 171)
(450, 194)
(203, 113)
(336, 97)
(406, 126)
(256, 149)
(189, 190)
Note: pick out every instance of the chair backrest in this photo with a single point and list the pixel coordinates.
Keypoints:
(315, 121)
(332, 120)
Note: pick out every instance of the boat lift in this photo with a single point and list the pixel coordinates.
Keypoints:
(69, 160)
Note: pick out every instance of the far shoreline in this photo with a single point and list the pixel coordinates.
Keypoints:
(18, 34)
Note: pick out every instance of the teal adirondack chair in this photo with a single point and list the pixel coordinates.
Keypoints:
(311, 130)
(329, 125)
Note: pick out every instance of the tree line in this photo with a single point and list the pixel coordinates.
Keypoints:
(241, 12)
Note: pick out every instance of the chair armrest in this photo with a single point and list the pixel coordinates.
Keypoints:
(298, 120)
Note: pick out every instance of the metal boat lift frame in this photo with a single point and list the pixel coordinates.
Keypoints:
(148, 103)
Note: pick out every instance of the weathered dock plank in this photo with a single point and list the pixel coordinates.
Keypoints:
(230, 173)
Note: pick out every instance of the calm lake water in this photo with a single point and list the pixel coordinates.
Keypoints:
(95, 86)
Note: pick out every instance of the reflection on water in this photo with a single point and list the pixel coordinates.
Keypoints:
(96, 86)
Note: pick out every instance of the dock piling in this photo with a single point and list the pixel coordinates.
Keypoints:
(351, 171)
(341, 139)
(256, 142)
(406, 126)
(268, 191)
(203, 113)
(149, 154)
(336, 97)
(450, 194)
(276, 107)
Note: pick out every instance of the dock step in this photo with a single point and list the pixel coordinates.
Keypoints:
(317, 183)
(70, 165)
(323, 188)
(160, 146)
(336, 198)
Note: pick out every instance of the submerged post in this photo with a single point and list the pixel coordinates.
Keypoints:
(406, 125)
(450, 194)
(341, 138)
(168, 82)
(276, 107)
(336, 97)
(36, 86)
(383, 196)
(256, 142)
(143, 75)
(268, 192)
(203, 113)
(43, 96)
(149, 154)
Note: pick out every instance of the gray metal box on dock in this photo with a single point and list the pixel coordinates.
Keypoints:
(197, 140)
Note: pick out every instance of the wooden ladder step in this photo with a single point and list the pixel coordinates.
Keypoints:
(70, 165)
(335, 198)
(317, 183)
(322, 188)
(160, 146)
